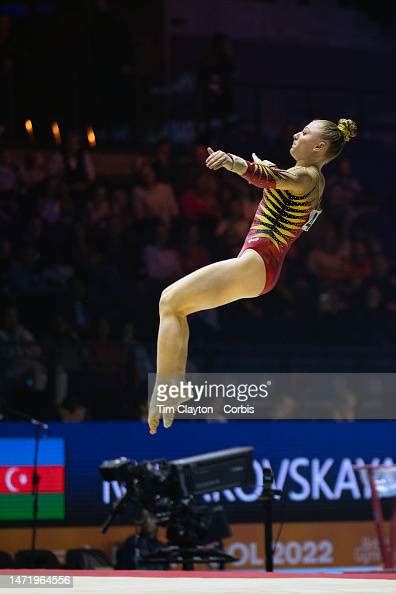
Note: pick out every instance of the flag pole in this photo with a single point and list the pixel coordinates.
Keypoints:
(35, 485)
(38, 426)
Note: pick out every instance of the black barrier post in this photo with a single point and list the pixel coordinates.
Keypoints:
(267, 496)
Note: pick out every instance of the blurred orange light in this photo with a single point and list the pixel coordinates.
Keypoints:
(56, 132)
(91, 137)
(29, 127)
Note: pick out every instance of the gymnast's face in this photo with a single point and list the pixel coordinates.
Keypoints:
(308, 143)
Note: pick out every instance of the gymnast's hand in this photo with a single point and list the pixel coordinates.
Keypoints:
(218, 159)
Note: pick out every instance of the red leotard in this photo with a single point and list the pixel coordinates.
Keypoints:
(280, 219)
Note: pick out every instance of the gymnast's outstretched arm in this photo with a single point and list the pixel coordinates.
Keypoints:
(298, 180)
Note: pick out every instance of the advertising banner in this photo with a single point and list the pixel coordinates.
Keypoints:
(298, 545)
(312, 464)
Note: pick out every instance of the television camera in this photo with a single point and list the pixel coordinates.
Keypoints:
(169, 490)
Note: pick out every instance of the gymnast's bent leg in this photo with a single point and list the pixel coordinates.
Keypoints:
(209, 287)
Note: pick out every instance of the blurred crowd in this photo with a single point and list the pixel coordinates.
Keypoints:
(84, 258)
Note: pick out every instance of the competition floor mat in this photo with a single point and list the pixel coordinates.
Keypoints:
(201, 582)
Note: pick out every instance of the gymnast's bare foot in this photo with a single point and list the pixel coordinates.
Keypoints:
(154, 414)
(163, 405)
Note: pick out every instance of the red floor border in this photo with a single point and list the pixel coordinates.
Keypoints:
(200, 574)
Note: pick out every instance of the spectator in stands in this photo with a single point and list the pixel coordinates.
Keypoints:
(121, 233)
(75, 164)
(64, 352)
(360, 262)
(161, 261)
(104, 282)
(193, 165)
(153, 199)
(137, 365)
(79, 250)
(330, 259)
(104, 351)
(22, 276)
(76, 308)
(99, 208)
(21, 352)
(343, 193)
(163, 163)
(234, 222)
(50, 209)
(193, 254)
(119, 205)
(9, 182)
(380, 262)
(135, 354)
(373, 316)
(33, 170)
(200, 202)
(73, 411)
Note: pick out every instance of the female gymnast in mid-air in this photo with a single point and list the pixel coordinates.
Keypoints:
(289, 206)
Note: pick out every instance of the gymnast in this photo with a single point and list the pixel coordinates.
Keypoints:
(290, 204)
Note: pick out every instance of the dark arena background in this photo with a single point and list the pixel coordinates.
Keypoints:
(107, 108)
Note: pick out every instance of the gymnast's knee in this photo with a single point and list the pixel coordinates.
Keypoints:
(168, 302)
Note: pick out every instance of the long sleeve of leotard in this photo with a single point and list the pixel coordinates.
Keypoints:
(263, 176)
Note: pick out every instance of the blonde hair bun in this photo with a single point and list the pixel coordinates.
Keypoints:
(348, 128)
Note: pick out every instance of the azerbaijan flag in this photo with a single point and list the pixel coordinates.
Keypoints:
(16, 479)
